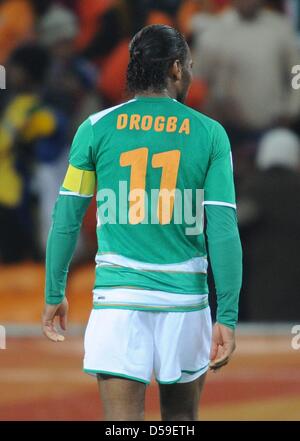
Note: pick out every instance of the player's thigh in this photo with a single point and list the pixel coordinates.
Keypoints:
(123, 399)
(180, 401)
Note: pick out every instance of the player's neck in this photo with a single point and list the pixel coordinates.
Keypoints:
(151, 94)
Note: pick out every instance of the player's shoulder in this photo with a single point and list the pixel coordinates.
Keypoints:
(89, 126)
(203, 121)
(103, 115)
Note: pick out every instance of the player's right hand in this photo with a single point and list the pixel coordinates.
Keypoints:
(223, 345)
(48, 320)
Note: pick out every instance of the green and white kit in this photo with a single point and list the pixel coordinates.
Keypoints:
(122, 154)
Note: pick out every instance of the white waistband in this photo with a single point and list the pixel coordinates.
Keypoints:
(133, 297)
(194, 265)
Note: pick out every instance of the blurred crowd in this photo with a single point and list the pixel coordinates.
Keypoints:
(67, 59)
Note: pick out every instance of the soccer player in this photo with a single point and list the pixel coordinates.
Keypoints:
(156, 163)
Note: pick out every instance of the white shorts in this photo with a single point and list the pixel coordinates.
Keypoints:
(175, 346)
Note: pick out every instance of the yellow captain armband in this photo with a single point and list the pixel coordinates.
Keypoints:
(79, 182)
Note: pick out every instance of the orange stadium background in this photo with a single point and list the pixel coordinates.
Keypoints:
(87, 42)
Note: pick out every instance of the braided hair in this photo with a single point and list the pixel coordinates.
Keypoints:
(152, 51)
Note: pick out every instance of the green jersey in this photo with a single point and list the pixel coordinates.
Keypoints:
(156, 163)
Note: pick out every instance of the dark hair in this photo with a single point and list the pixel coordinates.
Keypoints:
(34, 59)
(152, 51)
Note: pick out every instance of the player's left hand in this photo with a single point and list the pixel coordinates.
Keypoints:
(223, 345)
(48, 320)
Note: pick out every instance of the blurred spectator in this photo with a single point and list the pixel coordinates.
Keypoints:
(246, 56)
(16, 25)
(71, 4)
(203, 19)
(25, 121)
(188, 9)
(70, 90)
(50, 160)
(193, 13)
(277, 5)
(197, 94)
(112, 79)
(269, 207)
(90, 15)
(57, 19)
(40, 7)
(124, 18)
(110, 49)
(71, 79)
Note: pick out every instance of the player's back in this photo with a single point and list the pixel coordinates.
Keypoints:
(151, 157)
(151, 144)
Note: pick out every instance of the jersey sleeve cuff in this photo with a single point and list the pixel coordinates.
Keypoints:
(221, 203)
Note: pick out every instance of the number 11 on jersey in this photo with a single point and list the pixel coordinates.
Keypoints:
(168, 161)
